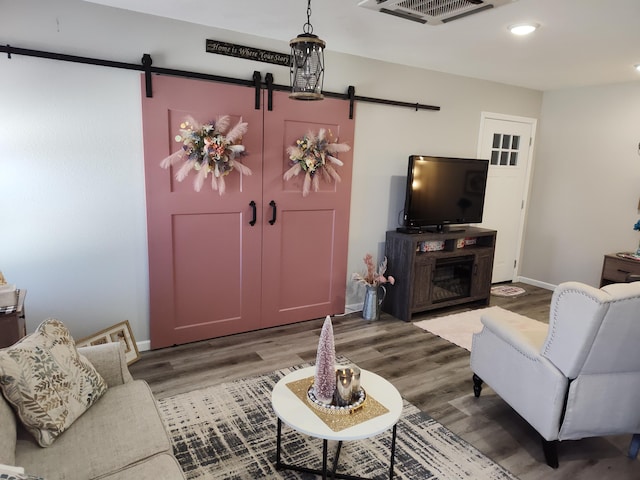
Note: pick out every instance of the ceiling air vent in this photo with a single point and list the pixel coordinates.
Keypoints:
(432, 12)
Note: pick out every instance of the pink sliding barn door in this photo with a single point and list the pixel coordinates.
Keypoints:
(211, 272)
(305, 250)
(203, 252)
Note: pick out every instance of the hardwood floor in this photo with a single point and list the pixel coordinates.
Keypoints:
(430, 372)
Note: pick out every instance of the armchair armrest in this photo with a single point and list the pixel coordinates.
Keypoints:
(500, 326)
(109, 360)
(507, 357)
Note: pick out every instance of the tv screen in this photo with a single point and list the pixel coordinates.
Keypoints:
(444, 191)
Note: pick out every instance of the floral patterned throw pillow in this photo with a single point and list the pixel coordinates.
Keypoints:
(18, 476)
(8, 472)
(48, 383)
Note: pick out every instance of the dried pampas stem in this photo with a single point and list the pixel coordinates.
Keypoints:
(185, 169)
(243, 169)
(237, 132)
(292, 172)
(223, 123)
(306, 185)
(172, 159)
(200, 177)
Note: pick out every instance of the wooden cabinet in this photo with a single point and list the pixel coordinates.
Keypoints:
(12, 324)
(435, 270)
(616, 269)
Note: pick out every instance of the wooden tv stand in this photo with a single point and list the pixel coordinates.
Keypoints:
(426, 280)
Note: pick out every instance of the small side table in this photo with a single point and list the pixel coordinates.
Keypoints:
(299, 416)
(617, 269)
(12, 323)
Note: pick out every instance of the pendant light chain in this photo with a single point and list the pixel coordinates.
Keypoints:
(308, 28)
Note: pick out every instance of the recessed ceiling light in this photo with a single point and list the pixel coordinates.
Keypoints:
(523, 28)
(637, 67)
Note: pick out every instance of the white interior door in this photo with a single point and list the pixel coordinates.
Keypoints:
(507, 142)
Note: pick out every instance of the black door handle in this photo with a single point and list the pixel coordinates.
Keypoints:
(252, 204)
(272, 204)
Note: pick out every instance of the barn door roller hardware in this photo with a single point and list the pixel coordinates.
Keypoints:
(146, 66)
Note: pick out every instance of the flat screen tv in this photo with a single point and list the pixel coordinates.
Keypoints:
(443, 191)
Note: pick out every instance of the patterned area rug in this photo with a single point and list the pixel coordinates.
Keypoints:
(459, 328)
(229, 431)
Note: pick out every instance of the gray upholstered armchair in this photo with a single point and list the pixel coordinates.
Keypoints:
(582, 379)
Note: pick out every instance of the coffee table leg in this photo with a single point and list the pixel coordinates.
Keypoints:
(393, 451)
(278, 464)
(335, 460)
(324, 459)
(325, 471)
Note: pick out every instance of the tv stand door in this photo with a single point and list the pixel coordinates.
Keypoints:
(422, 284)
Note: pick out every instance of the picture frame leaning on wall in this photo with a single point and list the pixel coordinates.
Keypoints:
(120, 332)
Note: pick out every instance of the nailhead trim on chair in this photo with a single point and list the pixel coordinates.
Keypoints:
(555, 313)
(555, 316)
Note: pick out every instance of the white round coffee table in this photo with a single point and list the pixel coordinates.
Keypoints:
(299, 415)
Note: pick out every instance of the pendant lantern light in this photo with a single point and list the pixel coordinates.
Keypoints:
(307, 63)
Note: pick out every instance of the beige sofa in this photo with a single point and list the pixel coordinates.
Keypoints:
(120, 437)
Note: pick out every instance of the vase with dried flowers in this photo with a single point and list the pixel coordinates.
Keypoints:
(637, 227)
(374, 281)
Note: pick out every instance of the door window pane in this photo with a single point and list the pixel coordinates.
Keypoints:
(505, 149)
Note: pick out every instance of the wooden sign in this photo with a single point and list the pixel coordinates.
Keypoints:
(249, 53)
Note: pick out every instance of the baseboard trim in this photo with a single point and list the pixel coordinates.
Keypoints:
(144, 346)
(354, 307)
(536, 283)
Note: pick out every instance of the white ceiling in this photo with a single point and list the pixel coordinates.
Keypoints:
(579, 43)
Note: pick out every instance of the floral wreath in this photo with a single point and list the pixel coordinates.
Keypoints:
(207, 149)
(313, 155)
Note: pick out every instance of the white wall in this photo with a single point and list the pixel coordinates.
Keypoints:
(71, 165)
(72, 193)
(586, 183)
